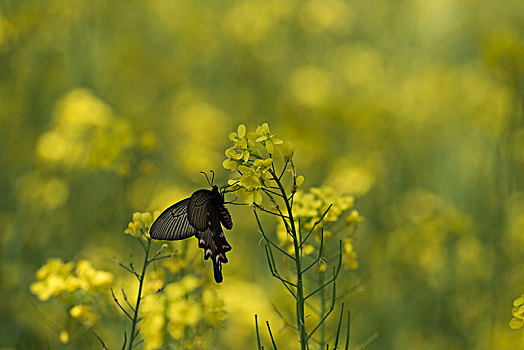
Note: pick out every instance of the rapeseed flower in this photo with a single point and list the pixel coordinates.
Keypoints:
(140, 224)
(267, 139)
(518, 313)
(246, 156)
(74, 287)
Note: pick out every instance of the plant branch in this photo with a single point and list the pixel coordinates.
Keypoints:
(283, 170)
(300, 288)
(127, 301)
(271, 336)
(331, 308)
(335, 274)
(319, 252)
(275, 274)
(267, 239)
(120, 306)
(315, 225)
(139, 295)
(338, 327)
(258, 334)
(265, 210)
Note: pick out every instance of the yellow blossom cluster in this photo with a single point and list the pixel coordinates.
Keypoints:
(311, 205)
(70, 285)
(517, 321)
(56, 277)
(247, 155)
(140, 224)
(183, 306)
(309, 208)
(86, 134)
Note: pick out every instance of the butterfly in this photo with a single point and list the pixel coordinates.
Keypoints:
(202, 215)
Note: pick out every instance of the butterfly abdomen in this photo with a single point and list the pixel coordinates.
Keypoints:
(225, 217)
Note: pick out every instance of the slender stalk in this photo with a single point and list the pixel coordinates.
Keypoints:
(271, 335)
(258, 334)
(142, 276)
(322, 312)
(301, 325)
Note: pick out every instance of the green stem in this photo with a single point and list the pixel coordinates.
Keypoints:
(301, 325)
(322, 312)
(139, 297)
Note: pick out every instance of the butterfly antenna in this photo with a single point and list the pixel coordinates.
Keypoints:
(213, 178)
(207, 178)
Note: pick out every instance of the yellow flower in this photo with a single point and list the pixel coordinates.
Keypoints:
(182, 313)
(518, 313)
(239, 152)
(40, 290)
(299, 180)
(83, 314)
(155, 281)
(249, 196)
(133, 229)
(140, 221)
(54, 266)
(190, 282)
(288, 149)
(353, 218)
(308, 249)
(214, 312)
(230, 164)
(348, 254)
(262, 165)
(265, 137)
(53, 278)
(64, 337)
(250, 179)
(92, 278)
(147, 219)
(77, 311)
(322, 266)
(101, 279)
(239, 135)
(153, 325)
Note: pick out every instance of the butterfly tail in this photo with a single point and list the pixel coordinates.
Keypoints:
(215, 247)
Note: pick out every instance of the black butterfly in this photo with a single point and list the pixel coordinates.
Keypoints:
(201, 215)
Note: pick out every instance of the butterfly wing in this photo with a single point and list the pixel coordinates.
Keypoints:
(200, 207)
(205, 215)
(173, 223)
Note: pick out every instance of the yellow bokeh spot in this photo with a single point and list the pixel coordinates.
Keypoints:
(322, 15)
(251, 21)
(200, 127)
(85, 134)
(38, 191)
(360, 65)
(64, 337)
(77, 311)
(310, 86)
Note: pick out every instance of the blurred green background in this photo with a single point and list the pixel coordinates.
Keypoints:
(414, 107)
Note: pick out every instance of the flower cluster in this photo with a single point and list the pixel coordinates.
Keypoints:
(252, 155)
(518, 313)
(311, 205)
(56, 278)
(86, 134)
(70, 285)
(309, 208)
(183, 306)
(140, 224)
